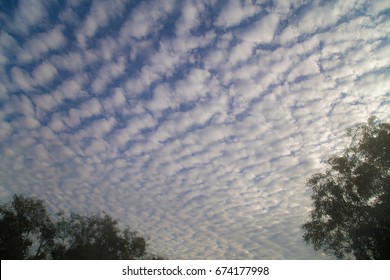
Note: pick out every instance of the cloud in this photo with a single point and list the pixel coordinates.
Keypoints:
(319, 18)
(5, 130)
(101, 127)
(108, 73)
(132, 131)
(240, 53)
(97, 146)
(99, 16)
(44, 73)
(143, 19)
(189, 19)
(306, 67)
(22, 105)
(90, 108)
(41, 44)
(70, 89)
(9, 46)
(261, 31)
(117, 100)
(28, 14)
(56, 124)
(323, 16)
(378, 7)
(203, 118)
(30, 123)
(193, 86)
(21, 79)
(163, 98)
(234, 12)
(45, 102)
(72, 61)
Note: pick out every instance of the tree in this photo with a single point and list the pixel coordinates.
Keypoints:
(25, 222)
(351, 199)
(28, 232)
(95, 237)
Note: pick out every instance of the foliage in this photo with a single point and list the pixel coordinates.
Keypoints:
(351, 199)
(24, 222)
(28, 232)
(95, 237)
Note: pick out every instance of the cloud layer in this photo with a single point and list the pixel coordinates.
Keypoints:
(196, 122)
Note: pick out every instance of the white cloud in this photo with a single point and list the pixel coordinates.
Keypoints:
(28, 14)
(306, 67)
(203, 134)
(234, 12)
(132, 131)
(44, 73)
(100, 14)
(193, 87)
(181, 122)
(189, 18)
(185, 45)
(68, 16)
(163, 62)
(261, 31)
(216, 58)
(74, 118)
(108, 47)
(142, 82)
(5, 130)
(100, 127)
(70, 89)
(143, 19)
(319, 17)
(21, 79)
(166, 59)
(42, 43)
(326, 15)
(163, 98)
(118, 97)
(114, 101)
(3, 92)
(377, 6)
(56, 124)
(90, 108)
(240, 53)
(9, 45)
(45, 102)
(30, 123)
(72, 61)
(21, 104)
(97, 146)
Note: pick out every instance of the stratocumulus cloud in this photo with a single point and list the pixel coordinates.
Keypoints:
(195, 122)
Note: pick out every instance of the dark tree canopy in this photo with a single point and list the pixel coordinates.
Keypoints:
(351, 199)
(29, 232)
(25, 222)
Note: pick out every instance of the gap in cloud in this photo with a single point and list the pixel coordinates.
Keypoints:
(11, 117)
(83, 7)
(167, 28)
(9, 7)
(54, 9)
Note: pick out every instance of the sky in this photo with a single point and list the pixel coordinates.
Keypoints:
(196, 123)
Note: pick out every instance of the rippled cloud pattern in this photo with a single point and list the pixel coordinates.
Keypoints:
(196, 122)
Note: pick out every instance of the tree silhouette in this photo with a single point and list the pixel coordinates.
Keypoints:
(25, 222)
(28, 232)
(95, 237)
(351, 199)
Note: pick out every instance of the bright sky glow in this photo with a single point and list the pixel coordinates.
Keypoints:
(195, 122)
